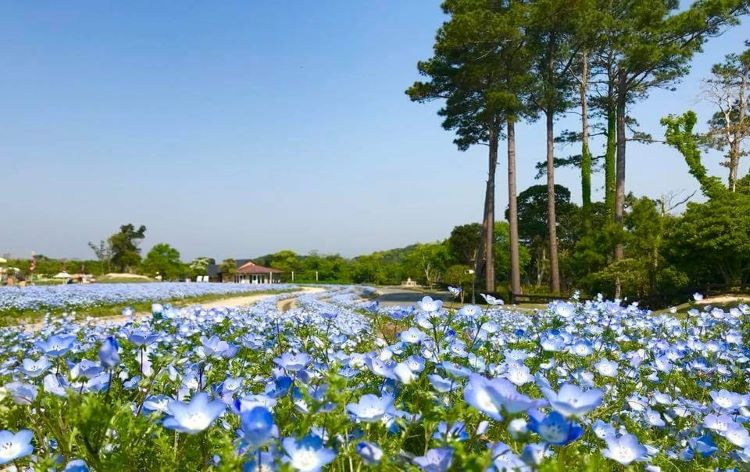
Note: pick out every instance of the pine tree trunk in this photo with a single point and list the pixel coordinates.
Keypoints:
(489, 217)
(479, 254)
(735, 151)
(610, 155)
(620, 180)
(585, 153)
(734, 161)
(515, 267)
(551, 213)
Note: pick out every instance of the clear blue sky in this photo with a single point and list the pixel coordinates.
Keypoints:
(236, 128)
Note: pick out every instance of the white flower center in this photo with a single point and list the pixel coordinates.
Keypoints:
(552, 433)
(624, 454)
(305, 459)
(484, 401)
(9, 449)
(197, 421)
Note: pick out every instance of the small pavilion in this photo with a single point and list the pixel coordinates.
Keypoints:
(252, 273)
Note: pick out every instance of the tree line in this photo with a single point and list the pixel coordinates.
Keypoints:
(669, 256)
(502, 63)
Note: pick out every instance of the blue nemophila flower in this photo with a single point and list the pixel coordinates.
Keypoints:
(505, 393)
(231, 385)
(22, 393)
(455, 291)
(380, 368)
(412, 336)
(35, 368)
(470, 312)
(654, 418)
(157, 403)
(55, 384)
(95, 384)
(142, 338)
(76, 465)
(86, 368)
(504, 459)
(261, 462)
(307, 454)
(108, 353)
(280, 386)
(56, 346)
(533, 454)
(213, 346)
(554, 428)
(441, 384)
(582, 348)
(477, 394)
(244, 404)
(256, 426)
(15, 446)
(492, 300)
(435, 460)
(429, 305)
(552, 342)
(570, 400)
(371, 407)
(195, 416)
(455, 370)
(370, 453)
(415, 363)
(624, 449)
(563, 309)
(403, 373)
(737, 435)
(482, 427)
(292, 362)
(518, 373)
(704, 445)
(718, 423)
(455, 432)
(727, 400)
(607, 368)
(518, 427)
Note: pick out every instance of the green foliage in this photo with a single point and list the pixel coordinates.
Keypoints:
(502, 252)
(463, 243)
(228, 268)
(459, 276)
(480, 37)
(164, 260)
(533, 232)
(126, 254)
(680, 135)
(199, 266)
(103, 252)
(430, 260)
(712, 240)
(286, 261)
(49, 267)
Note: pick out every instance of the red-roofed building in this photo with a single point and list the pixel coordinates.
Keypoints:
(252, 273)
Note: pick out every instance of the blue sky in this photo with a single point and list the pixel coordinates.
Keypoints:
(235, 129)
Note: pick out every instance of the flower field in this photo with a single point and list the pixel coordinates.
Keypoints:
(338, 383)
(45, 297)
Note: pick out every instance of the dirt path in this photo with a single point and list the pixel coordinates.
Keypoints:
(724, 299)
(250, 299)
(231, 302)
